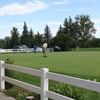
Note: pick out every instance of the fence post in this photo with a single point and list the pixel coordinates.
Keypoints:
(44, 83)
(2, 73)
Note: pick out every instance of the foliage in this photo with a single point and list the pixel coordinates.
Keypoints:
(9, 60)
(14, 37)
(70, 91)
(77, 32)
(95, 42)
(24, 37)
(21, 94)
(64, 41)
(47, 34)
(38, 39)
(8, 72)
(31, 38)
(2, 43)
(86, 28)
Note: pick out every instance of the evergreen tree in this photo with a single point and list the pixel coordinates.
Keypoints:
(31, 38)
(14, 37)
(2, 43)
(38, 40)
(25, 35)
(7, 42)
(62, 39)
(47, 34)
(68, 30)
(60, 30)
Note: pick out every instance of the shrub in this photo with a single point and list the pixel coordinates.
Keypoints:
(9, 60)
(8, 72)
(21, 94)
(69, 91)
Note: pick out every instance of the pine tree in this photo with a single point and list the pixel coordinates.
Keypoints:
(31, 38)
(25, 35)
(14, 37)
(38, 40)
(60, 30)
(7, 42)
(47, 34)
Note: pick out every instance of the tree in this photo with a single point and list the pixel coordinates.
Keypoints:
(2, 43)
(14, 37)
(31, 38)
(63, 37)
(25, 35)
(60, 30)
(95, 42)
(7, 42)
(38, 40)
(69, 30)
(86, 28)
(64, 41)
(47, 34)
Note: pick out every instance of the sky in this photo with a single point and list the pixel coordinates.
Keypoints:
(38, 13)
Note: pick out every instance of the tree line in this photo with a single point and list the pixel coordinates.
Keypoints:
(27, 38)
(77, 32)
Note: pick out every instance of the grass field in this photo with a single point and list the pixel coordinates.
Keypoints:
(89, 49)
(75, 63)
(79, 64)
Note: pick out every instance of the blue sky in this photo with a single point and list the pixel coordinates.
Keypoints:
(38, 13)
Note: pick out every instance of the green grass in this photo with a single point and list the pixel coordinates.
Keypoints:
(89, 49)
(80, 64)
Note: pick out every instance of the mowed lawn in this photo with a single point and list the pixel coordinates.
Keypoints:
(71, 63)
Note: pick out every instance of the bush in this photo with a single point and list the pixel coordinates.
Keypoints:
(21, 94)
(9, 60)
(69, 91)
(8, 72)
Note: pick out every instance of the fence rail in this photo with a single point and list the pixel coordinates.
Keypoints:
(45, 76)
(15, 50)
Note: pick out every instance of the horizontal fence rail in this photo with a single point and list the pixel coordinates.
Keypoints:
(87, 84)
(15, 50)
(23, 69)
(23, 84)
(56, 96)
(45, 76)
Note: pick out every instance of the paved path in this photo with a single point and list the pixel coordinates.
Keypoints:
(5, 97)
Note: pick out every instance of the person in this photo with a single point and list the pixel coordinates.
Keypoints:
(35, 47)
(44, 49)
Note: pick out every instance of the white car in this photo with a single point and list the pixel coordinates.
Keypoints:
(38, 49)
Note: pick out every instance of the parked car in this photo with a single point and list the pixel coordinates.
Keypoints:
(38, 49)
(23, 48)
(56, 48)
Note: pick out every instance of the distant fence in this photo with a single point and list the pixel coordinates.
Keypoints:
(45, 76)
(39, 49)
(15, 50)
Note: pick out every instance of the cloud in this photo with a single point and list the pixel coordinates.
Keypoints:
(83, 9)
(21, 9)
(97, 32)
(60, 2)
(86, 1)
(96, 20)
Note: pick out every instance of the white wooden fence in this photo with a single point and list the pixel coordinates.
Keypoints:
(15, 50)
(45, 76)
